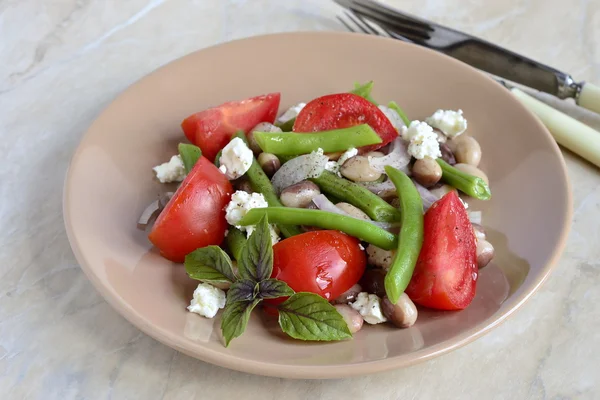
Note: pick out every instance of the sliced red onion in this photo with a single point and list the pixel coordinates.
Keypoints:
(154, 209)
(427, 197)
(383, 189)
(398, 157)
(149, 213)
(475, 217)
(324, 204)
(298, 169)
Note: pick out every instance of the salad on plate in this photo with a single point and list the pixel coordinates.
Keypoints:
(337, 213)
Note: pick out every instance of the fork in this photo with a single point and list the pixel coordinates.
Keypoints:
(375, 18)
(567, 131)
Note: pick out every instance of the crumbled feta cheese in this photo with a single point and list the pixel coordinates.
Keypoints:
(242, 202)
(334, 166)
(379, 257)
(207, 300)
(369, 306)
(393, 116)
(351, 152)
(361, 247)
(422, 140)
(172, 171)
(266, 127)
(291, 113)
(451, 123)
(236, 159)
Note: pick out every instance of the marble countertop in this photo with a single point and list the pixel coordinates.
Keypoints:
(63, 61)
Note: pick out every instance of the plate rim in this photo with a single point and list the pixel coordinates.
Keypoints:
(308, 371)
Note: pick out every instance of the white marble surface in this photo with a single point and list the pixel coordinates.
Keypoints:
(62, 61)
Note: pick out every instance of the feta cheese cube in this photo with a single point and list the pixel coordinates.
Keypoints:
(242, 202)
(451, 123)
(422, 140)
(171, 171)
(236, 159)
(266, 127)
(207, 300)
(369, 306)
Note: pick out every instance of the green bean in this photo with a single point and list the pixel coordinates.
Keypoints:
(236, 240)
(217, 161)
(189, 155)
(260, 183)
(396, 107)
(361, 229)
(286, 126)
(374, 206)
(364, 91)
(472, 185)
(410, 237)
(294, 143)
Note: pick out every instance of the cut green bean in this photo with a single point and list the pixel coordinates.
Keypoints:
(189, 155)
(374, 206)
(396, 107)
(260, 183)
(410, 238)
(364, 90)
(293, 143)
(361, 229)
(218, 159)
(472, 185)
(236, 240)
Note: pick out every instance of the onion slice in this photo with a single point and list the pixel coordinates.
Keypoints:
(299, 169)
(149, 213)
(324, 204)
(398, 157)
(427, 197)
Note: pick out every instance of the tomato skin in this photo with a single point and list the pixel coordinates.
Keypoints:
(446, 273)
(324, 262)
(213, 128)
(195, 215)
(343, 110)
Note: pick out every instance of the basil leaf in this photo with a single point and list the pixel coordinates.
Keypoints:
(189, 155)
(308, 316)
(256, 261)
(364, 91)
(209, 264)
(235, 319)
(241, 290)
(274, 288)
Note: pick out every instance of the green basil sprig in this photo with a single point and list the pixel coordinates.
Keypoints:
(305, 316)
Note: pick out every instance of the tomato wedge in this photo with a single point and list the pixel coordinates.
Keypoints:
(212, 129)
(343, 110)
(446, 273)
(324, 262)
(195, 215)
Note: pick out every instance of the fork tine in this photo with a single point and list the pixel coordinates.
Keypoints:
(367, 27)
(383, 10)
(396, 25)
(347, 25)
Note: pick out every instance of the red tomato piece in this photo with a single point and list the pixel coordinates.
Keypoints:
(446, 273)
(343, 110)
(324, 262)
(213, 128)
(195, 215)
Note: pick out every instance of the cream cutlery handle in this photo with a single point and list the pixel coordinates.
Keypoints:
(590, 97)
(567, 131)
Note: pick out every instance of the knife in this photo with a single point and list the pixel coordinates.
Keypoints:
(477, 52)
